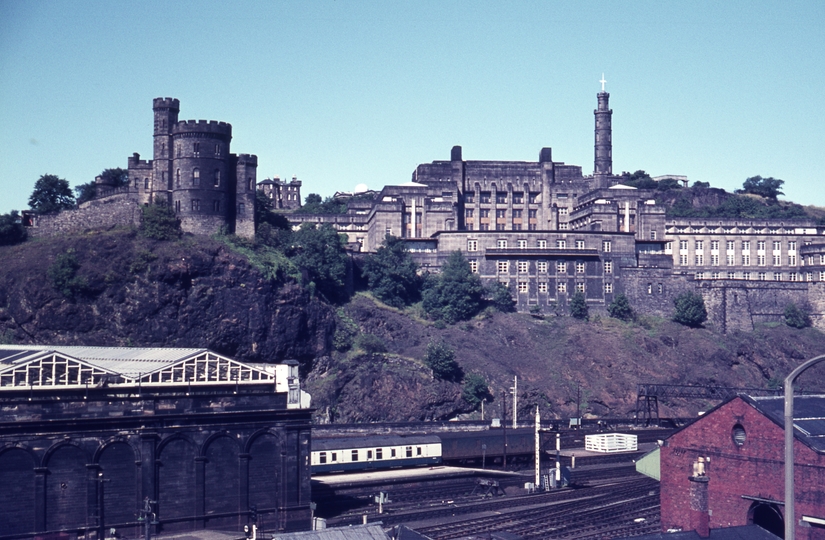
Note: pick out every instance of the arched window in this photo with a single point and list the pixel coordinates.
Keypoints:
(177, 178)
(251, 185)
(196, 177)
(216, 206)
(217, 177)
(145, 183)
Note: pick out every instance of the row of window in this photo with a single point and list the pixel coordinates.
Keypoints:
(355, 455)
(523, 267)
(730, 245)
(196, 149)
(523, 287)
(196, 179)
(502, 227)
(731, 230)
(762, 276)
(501, 243)
(730, 260)
(500, 214)
(501, 197)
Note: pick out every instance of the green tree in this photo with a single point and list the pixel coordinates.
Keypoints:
(690, 309)
(639, 179)
(321, 256)
(314, 205)
(701, 185)
(160, 222)
(114, 177)
(620, 308)
(62, 274)
(271, 228)
(500, 297)
(441, 359)
(12, 230)
(578, 307)
(668, 184)
(765, 187)
(475, 390)
(392, 274)
(51, 194)
(370, 344)
(85, 192)
(795, 317)
(455, 294)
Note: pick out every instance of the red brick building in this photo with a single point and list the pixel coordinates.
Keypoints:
(743, 441)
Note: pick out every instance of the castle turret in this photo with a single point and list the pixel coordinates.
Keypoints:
(166, 115)
(603, 165)
(246, 169)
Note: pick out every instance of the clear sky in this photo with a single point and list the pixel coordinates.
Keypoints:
(347, 92)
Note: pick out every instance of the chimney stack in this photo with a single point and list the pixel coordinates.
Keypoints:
(699, 515)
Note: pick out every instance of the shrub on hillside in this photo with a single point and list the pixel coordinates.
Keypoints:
(392, 274)
(370, 344)
(500, 297)
(578, 307)
(620, 308)
(160, 222)
(690, 309)
(455, 294)
(441, 359)
(12, 230)
(62, 274)
(475, 390)
(796, 317)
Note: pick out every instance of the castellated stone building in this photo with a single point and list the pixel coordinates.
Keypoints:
(194, 171)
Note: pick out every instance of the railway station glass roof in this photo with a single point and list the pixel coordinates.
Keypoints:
(50, 366)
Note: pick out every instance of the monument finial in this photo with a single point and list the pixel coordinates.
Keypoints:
(602, 81)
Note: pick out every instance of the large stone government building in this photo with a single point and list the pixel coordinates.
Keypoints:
(88, 434)
(548, 231)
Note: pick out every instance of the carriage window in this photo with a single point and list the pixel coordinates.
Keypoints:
(379, 453)
(322, 457)
(369, 454)
(418, 451)
(409, 451)
(334, 456)
(355, 455)
(392, 452)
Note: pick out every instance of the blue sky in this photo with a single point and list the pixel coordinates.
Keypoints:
(343, 92)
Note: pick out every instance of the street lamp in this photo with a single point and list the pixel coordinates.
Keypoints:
(790, 518)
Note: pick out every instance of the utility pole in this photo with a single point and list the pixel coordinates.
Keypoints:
(504, 425)
(538, 447)
(515, 401)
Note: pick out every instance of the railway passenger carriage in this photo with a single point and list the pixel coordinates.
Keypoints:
(374, 452)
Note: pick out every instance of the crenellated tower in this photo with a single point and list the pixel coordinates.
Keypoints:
(166, 115)
(603, 164)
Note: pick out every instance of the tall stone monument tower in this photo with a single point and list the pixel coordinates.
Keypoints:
(603, 165)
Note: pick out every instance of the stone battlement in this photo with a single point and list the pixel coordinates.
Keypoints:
(202, 126)
(166, 103)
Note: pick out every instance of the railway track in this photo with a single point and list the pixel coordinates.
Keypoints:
(608, 507)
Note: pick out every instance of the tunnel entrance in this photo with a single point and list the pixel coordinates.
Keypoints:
(767, 516)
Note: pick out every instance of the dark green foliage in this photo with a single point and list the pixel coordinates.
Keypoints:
(392, 274)
(441, 359)
(370, 344)
(500, 297)
(314, 205)
(345, 331)
(455, 294)
(690, 309)
(668, 184)
(701, 185)
(736, 206)
(51, 194)
(796, 318)
(62, 274)
(141, 261)
(114, 177)
(620, 308)
(578, 307)
(639, 179)
(85, 192)
(160, 222)
(12, 230)
(271, 228)
(475, 390)
(764, 187)
(322, 260)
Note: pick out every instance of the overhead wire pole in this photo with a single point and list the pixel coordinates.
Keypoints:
(790, 514)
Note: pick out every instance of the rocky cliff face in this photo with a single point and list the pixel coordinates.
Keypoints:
(130, 291)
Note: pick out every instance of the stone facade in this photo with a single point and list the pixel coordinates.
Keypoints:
(118, 209)
(548, 231)
(284, 195)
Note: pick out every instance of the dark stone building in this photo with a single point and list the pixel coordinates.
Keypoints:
(88, 434)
